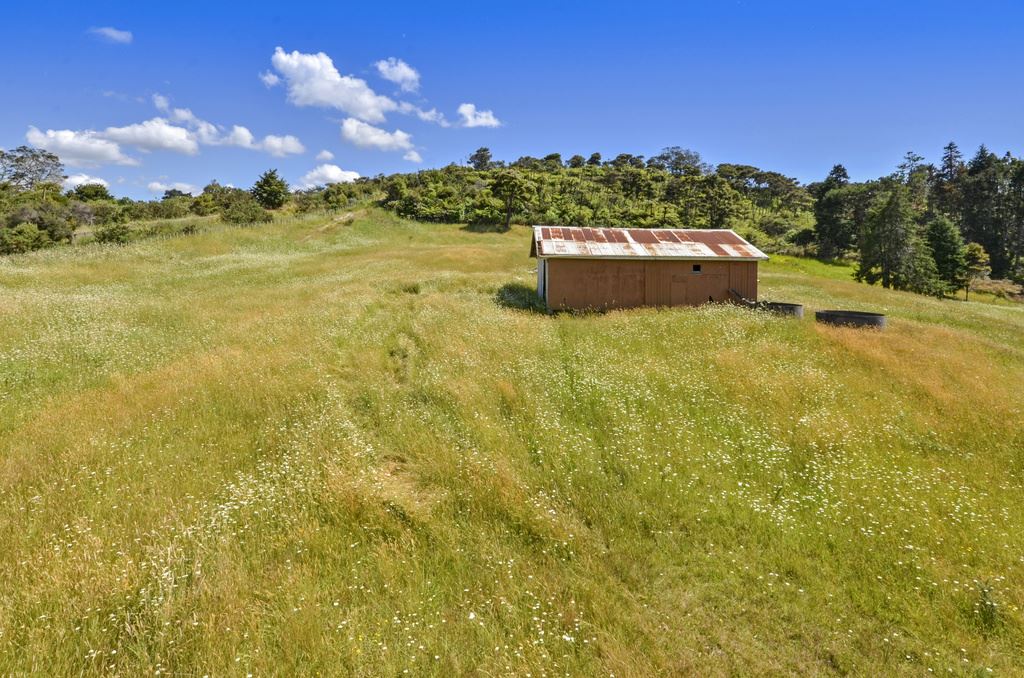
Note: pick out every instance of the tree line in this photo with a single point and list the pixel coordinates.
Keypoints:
(925, 228)
(672, 189)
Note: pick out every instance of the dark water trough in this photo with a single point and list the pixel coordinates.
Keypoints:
(851, 318)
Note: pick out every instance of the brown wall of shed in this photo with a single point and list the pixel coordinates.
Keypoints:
(626, 283)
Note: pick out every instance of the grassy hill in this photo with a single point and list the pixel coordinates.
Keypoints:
(336, 445)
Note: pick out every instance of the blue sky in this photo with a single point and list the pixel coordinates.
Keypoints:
(789, 86)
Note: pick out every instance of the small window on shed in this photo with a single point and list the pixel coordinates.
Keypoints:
(696, 268)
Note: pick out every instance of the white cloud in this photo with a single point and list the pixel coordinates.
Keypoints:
(76, 180)
(270, 79)
(433, 115)
(155, 134)
(324, 155)
(281, 146)
(412, 156)
(179, 114)
(110, 34)
(241, 137)
(160, 187)
(84, 148)
(367, 136)
(312, 80)
(238, 136)
(321, 175)
(90, 148)
(471, 117)
(208, 134)
(400, 73)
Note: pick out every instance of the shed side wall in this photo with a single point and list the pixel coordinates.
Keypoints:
(743, 278)
(594, 284)
(612, 283)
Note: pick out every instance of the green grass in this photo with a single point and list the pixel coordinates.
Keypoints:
(333, 445)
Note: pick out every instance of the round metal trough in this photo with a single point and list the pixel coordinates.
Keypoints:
(784, 308)
(851, 318)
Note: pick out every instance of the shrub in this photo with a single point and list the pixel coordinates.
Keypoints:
(245, 210)
(309, 201)
(115, 233)
(341, 195)
(107, 212)
(204, 205)
(24, 237)
(775, 225)
(803, 238)
(174, 207)
(48, 216)
(486, 210)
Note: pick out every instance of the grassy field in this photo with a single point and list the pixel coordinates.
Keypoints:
(336, 446)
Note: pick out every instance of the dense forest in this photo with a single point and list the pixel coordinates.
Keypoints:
(925, 228)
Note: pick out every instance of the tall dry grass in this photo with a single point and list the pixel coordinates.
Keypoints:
(331, 446)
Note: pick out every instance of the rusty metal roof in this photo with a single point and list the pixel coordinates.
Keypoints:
(665, 243)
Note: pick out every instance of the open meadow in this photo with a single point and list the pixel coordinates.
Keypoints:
(348, 444)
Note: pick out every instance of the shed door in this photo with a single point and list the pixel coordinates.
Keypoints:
(658, 284)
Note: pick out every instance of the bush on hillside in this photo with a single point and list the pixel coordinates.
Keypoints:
(309, 201)
(107, 212)
(203, 205)
(24, 237)
(51, 217)
(245, 210)
(114, 234)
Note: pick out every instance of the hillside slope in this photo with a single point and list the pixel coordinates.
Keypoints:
(336, 445)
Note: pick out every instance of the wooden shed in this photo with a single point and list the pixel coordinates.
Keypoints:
(603, 268)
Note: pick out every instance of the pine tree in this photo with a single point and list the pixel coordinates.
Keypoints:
(270, 190)
(1015, 214)
(831, 215)
(986, 187)
(947, 247)
(946, 188)
(911, 163)
(952, 162)
(886, 244)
